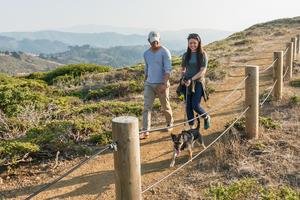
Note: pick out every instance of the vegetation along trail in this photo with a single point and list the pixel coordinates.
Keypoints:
(95, 180)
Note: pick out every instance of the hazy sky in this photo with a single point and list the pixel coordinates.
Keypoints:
(234, 15)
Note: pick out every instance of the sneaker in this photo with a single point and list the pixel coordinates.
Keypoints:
(207, 122)
(144, 136)
(169, 129)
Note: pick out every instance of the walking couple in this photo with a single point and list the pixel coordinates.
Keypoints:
(157, 74)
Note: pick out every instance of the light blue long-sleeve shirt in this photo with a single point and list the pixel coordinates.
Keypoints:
(157, 64)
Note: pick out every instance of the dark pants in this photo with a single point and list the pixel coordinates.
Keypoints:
(193, 102)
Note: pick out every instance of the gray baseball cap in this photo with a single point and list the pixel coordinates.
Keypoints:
(153, 36)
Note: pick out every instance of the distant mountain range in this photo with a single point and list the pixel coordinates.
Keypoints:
(44, 41)
(94, 44)
(32, 46)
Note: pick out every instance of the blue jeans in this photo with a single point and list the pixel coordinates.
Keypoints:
(193, 102)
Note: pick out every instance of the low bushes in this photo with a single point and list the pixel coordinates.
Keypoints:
(214, 72)
(295, 83)
(118, 89)
(247, 189)
(13, 97)
(68, 72)
(265, 122)
(114, 108)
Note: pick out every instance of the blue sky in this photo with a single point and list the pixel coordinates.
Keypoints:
(234, 15)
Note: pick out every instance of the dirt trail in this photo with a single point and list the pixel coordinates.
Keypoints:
(95, 180)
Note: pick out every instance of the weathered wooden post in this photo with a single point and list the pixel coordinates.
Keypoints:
(277, 74)
(252, 100)
(289, 59)
(127, 158)
(298, 43)
(294, 41)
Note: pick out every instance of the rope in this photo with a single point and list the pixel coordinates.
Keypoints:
(209, 111)
(286, 50)
(45, 187)
(186, 93)
(262, 103)
(285, 73)
(269, 66)
(225, 131)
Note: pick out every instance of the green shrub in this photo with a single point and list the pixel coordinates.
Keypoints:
(247, 189)
(237, 190)
(73, 70)
(213, 64)
(14, 97)
(239, 124)
(110, 109)
(157, 106)
(295, 83)
(279, 193)
(37, 75)
(64, 136)
(116, 90)
(176, 61)
(264, 95)
(103, 138)
(209, 89)
(258, 145)
(66, 80)
(13, 150)
(295, 100)
(268, 123)
(243, 42)
(5, 79)
(214, 72)
(137, 68)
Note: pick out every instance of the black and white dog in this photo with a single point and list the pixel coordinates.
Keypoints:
(186, 140)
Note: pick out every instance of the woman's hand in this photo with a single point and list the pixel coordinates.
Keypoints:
(188, 82)
(162, 87)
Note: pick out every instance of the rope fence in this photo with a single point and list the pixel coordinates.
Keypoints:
(269, 93)
(251, 100)
(129, 129)
(218, 106)
(270, 66)
(286, 50)
(193, 158)
(111, 146)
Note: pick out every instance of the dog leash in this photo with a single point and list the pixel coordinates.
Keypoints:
(185, 108)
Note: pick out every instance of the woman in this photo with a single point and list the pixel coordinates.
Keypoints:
(194, 65)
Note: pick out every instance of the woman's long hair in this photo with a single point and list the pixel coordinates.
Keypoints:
(199, 49)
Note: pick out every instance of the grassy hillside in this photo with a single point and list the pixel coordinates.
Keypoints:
(115, 56)
(70, 109)
(19, 63)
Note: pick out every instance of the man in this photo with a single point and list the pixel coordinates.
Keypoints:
(157, 73)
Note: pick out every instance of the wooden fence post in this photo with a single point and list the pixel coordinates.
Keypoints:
(277, 75)
(294, 40)
(298, 43)
(252, 100)
(289, 59)
(127, 158)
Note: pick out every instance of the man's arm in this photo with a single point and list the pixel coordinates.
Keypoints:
(167, 64)
(167, 69)
(145, 68)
